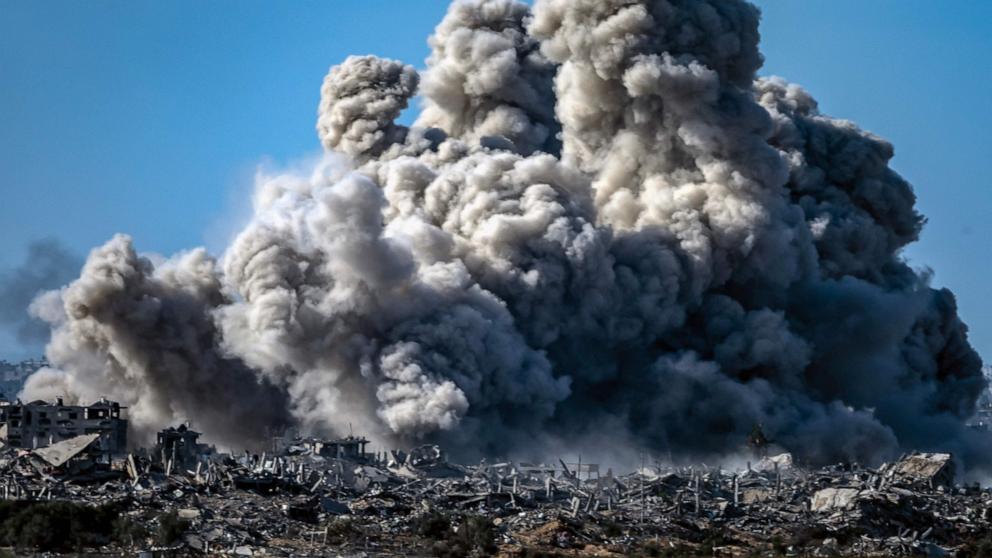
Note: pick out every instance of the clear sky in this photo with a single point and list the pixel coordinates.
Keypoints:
(150, 117)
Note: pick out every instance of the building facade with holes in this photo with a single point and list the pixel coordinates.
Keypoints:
(41, 423)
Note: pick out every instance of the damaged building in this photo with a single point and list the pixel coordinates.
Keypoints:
(350, 447)
(80, 457)
(40, 424)
(180, 445)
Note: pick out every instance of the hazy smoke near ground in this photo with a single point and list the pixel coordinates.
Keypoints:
(47, 265)
(603, 226)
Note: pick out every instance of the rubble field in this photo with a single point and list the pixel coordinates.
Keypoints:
(298, 503)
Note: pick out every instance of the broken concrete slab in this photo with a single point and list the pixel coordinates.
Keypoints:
(834, 499)
(934, 469)
(60, 453)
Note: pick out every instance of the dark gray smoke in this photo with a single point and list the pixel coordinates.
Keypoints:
(47, 265)
(145, 336)
(603, 226)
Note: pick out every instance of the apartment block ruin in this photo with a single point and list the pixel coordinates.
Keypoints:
(40, 424)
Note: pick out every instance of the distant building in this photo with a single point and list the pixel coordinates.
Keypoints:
(982, 420)
(39, 424)
(13, 375)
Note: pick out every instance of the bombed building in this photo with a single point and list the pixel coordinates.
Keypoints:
(350, 447)
(40, 424)
(180, 445)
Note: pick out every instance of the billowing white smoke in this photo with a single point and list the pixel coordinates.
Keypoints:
(603, 226)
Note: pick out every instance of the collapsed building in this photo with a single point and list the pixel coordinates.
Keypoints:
(307, 494)
(350, 447)
(180, 446)
(304, 501)
(318, 496)
(80, 458)
(39, 424)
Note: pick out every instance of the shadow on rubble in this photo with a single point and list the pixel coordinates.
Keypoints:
(68, 527)
(61, 526)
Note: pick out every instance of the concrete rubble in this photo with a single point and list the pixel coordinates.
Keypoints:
(302, 503)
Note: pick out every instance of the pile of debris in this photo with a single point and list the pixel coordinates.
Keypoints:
(304, 501)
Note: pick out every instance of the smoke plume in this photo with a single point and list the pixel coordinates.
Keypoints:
(47, 265)
(603, 226)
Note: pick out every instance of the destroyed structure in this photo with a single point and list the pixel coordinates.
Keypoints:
(307, 500)
(351, 447)
(81, 458)
(180, 445)
(39, 424)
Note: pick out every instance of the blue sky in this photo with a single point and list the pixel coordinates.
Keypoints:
(151, 117)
